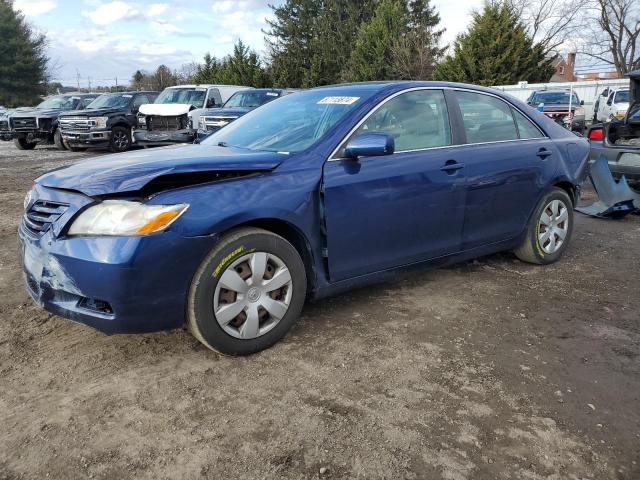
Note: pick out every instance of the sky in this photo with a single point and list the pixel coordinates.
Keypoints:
(104, 40)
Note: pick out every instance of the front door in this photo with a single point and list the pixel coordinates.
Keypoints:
(383, 212)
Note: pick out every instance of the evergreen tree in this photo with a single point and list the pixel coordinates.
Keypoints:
(23, 61)
(242, 67)
(310, 41)
(208, 71)
(496, 50)
(137, 81)
(372, 55)
(415, 55)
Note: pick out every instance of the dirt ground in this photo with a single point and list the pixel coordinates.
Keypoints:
(493, 369)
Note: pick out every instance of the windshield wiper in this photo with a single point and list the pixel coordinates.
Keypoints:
(224, 144)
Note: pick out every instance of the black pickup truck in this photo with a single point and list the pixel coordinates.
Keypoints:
(619, 140)
(31, 126)
(106, 123)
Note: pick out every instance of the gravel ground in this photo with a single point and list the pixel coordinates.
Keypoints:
(492, 369)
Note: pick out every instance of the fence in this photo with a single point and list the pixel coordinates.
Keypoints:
(586, 90)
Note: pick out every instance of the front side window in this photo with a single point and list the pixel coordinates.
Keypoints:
(622, 96)
(250, 99)
(486, 118)
(415, 120)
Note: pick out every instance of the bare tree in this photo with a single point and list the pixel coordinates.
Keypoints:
(552, 23)
(613, 34)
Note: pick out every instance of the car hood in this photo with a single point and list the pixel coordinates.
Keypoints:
(132, 171)
(225, 112)
(37, 112)
(168, 109)
(93, 112)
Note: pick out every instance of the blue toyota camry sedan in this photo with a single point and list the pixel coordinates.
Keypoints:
(312, 194)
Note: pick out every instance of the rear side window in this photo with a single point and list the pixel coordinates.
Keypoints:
(140, 100)
(86, 101)
(525, 127)
(415, 120)
(486, 118)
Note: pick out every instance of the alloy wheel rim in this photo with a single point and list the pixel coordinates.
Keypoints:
(120, 140)
(253, 295)
(553, 226)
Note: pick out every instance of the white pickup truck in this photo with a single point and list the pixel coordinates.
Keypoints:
(612, 103)
(174, 117)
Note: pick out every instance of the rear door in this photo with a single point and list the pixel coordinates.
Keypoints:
(508, 162)
(382, 212)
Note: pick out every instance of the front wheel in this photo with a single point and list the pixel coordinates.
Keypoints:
(247, 293)
(549, 230)
(23, 144)
(120, 139)
(58, 140)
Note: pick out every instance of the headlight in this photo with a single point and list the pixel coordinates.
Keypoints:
(98, 122)
(27, 199)
(142, 120)
(122, 217)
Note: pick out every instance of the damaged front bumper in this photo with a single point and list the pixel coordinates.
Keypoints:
(113, 284)
(163, 137)
(91, 138)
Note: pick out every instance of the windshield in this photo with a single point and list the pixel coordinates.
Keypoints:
(189, 96)
(622, 96)
(293, 123)
(554, 98)
(62, 102)
(111, 101)
(250, 99)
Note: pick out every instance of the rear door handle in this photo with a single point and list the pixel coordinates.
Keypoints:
(544, 153)
(451, 166)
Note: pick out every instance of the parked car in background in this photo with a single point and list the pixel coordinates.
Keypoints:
(174, 117)
(240, 103)
(611, 103)
(30, 126)
(561, 106)
(315, 193)
(5, 129)
(619, 139)
(107, 122)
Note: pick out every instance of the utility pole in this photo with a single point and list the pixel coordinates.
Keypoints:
(78, 78)
(89, 79)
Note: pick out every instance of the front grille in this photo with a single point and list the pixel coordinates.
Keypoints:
(41, 215)
(213, 124)
(75, 124)
(24, 123)
(4, 125)
(160, 122)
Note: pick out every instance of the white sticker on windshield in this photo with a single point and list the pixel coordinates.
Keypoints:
(338, 100)
(127, 96)
(272, 94)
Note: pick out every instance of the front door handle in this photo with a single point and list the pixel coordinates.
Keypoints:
(451, 167)
(544, 153)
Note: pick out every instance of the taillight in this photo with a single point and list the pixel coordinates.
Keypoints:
(596, 134)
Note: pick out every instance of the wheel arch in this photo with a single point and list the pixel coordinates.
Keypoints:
(121, 123)
(294, 236)
(568, 187)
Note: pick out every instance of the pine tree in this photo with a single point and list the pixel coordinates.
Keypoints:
(496, 50)
(310, 41)
(23, 61)
(416, 54)
(372, 55)
(242, 67)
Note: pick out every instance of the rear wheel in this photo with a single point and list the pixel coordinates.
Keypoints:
(120, 139)
(549, 230)
(58, 140)
(247, 293)
(23, 144)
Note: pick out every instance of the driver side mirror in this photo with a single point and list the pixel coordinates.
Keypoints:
(373, 144)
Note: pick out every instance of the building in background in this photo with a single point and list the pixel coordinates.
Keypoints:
(565, 68)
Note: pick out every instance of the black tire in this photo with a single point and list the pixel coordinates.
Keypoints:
(58, 140)
(120, 139)
(201, 319)
(22, 144)
(531, 250)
